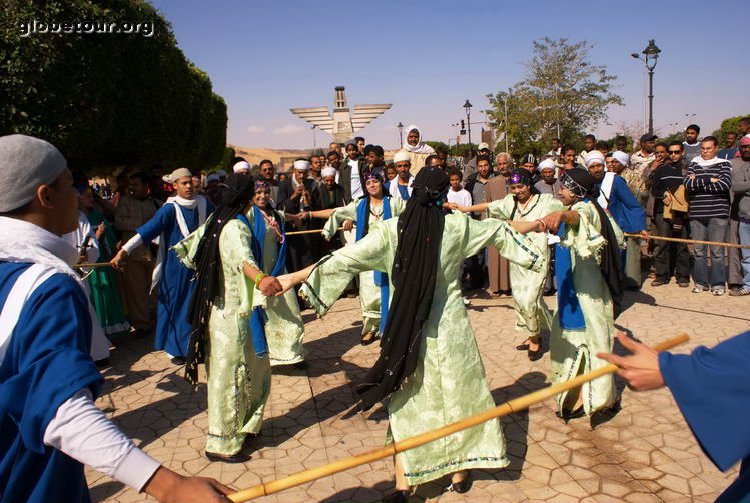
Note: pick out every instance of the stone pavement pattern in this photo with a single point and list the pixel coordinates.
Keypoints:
(645, 453)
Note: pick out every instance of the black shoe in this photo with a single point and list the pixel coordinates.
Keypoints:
(567, 415)
(234, 458)
(683, 284)
(367, 342)
(659, 282)
(462, 487)
(178, 360)
(397, 497)
(104, 362)
(523, 347)
(535, 355)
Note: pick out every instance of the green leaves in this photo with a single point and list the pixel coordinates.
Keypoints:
(109, 99)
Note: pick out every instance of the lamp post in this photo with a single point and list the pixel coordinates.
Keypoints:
(467, 107)
(400, 134)
(315, 143)
(650, 57)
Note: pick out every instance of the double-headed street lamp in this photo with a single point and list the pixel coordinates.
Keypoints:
(467, 107)
(650, 57)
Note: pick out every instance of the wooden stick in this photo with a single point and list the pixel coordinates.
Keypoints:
(92, 264)
(510, 407)
(311, 231)
(689, 241)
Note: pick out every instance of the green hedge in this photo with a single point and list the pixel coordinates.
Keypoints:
(107, 99)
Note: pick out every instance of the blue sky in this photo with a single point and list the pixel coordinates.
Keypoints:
(427, 58)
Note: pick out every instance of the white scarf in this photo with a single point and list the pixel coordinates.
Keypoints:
(24, 242)
(419, 148)
(198, 202)
(706, 163)
(393, 187)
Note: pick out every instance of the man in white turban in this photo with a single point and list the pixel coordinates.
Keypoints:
(401, 186)
(242, 168)
(300, 194)
(417, 149)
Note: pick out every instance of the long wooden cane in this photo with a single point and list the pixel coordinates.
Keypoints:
(515, 405)
(91, 265)
(311, 231)
(688, 241)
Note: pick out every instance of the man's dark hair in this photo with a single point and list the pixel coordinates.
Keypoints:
(590, 137)
(379, 151)
(662, 144)
(264, 161)
(567, 148)
(332, 153)
(675, 143)
(455, 172)
(711, 139)
(483, 158)
(694, 127)
(441, 150)
(602, 144)
(745, 121)
(557, 140)
(368, 149)
(429, 159)
(143, 177)
(358, 138)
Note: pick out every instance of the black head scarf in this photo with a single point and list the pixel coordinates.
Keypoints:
(420, 232)
(238, 190)
(583, 185)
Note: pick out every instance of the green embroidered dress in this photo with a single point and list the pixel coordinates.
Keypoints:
(532, 314)
(369, 292)
(449, 382)
(573, 352)
(238, 381)
(284, 328)
(103, 291)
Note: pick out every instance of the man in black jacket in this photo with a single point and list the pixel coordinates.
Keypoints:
(299, 194)
(353, 164)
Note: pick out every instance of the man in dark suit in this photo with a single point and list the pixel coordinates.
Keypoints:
(352, 164)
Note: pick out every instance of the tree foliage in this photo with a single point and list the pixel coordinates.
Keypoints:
(107, 99)
(729, 125)
(561, 95)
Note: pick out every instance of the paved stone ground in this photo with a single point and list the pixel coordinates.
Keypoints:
(645, 453)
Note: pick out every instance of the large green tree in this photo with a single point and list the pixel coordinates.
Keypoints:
(107, 99)
(561, 95)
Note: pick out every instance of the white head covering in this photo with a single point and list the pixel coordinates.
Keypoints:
(621, 157)
(241, 167)
(179, 173)
(25, 164)
(301, 165)
(402, 156)
(419, 148)
(328, 171)
(546, 164)
(593, 157)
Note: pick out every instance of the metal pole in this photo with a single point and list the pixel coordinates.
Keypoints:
(468, 121)
(651, 101)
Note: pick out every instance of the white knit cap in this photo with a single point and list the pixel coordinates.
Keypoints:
(240, 167)
(328, 171)
(546, 164)
(402, 156)
(25, 164)
(301, 165)
(179, 173)
(593, 157)
(621, 157)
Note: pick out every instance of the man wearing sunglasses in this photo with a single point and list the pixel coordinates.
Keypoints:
(670, 258)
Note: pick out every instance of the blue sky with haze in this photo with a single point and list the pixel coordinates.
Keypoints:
(427, 58)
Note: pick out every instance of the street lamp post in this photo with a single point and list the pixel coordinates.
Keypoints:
(651, 55)
(400, 134)
(467, 107)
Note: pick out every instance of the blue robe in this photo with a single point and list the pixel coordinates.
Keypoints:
(47, 362)
(176, 285)
(624, 207)
(712, 389)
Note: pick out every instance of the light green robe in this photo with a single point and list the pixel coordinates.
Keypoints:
(239, 382)
(573, 352)
(369, 292)
(284, 328)
(449, 382)
(532, 314)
